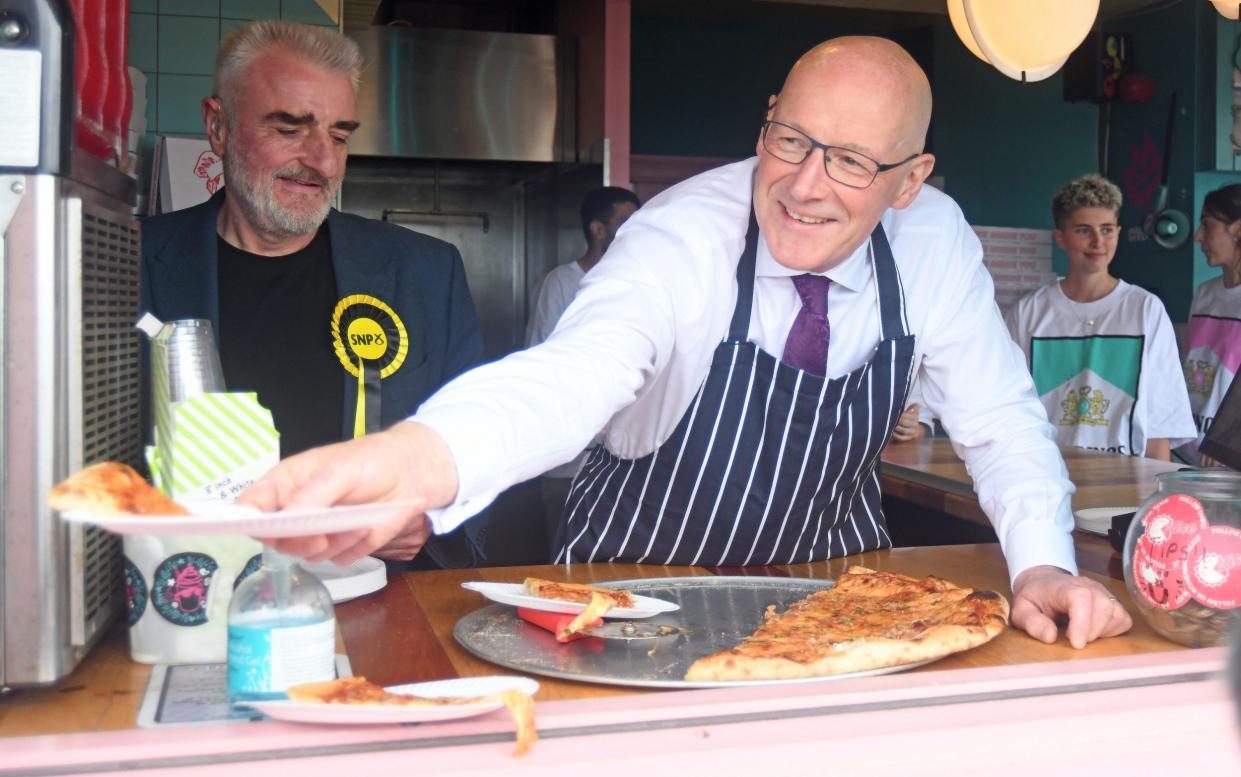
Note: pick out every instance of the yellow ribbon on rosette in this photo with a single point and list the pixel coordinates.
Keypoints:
(371, 343)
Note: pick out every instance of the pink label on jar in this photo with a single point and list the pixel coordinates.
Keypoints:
(1169, 527)
(1213, 568)
(1163, 588)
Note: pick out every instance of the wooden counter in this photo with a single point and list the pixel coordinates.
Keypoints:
(404, 633)
(927, 473)
(1050, 704)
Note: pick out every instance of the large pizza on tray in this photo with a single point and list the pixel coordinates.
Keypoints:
(867, 620)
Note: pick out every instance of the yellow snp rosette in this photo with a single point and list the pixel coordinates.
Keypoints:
(371, 343)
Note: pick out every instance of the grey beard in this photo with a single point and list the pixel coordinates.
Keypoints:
(257, 201)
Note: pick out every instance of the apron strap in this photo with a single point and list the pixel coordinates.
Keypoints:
(892, 320)
(739, 329)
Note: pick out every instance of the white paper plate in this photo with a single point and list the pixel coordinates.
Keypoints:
(1097, 520)
(227, 518)
(369, 714)
(510, 593)
(360, 578)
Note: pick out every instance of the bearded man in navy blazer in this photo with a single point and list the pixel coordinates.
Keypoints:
(342, 325)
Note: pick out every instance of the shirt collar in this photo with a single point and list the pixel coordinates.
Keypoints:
(853, 273)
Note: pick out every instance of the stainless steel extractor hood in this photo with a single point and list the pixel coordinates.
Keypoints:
(458, 94)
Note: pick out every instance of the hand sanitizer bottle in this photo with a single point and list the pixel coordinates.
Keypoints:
(281, 631)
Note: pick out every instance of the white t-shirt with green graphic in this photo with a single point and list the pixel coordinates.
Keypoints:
(1107, 371)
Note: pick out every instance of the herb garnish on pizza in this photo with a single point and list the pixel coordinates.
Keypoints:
(867, 620)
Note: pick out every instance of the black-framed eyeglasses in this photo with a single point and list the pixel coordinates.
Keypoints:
(843, 165)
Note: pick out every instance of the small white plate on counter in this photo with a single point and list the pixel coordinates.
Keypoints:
(511, 594)
(228, 518)
(362, 577)
(1097, 520)
(370, 714)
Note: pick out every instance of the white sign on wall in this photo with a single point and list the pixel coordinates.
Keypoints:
(186, 173)
(1019, 261)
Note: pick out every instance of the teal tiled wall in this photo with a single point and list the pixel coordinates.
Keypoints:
(174, 43)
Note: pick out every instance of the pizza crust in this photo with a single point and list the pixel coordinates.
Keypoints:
(798, 630)
(575, 592)
(111, 488)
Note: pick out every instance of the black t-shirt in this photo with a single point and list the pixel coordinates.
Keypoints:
(275, 338)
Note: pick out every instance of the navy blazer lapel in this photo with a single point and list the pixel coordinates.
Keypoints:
(190, 262)
(359, 269)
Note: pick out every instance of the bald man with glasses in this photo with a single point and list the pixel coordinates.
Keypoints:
(744, 354)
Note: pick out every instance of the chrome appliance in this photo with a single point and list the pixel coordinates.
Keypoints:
(471, 137)
(69, 391)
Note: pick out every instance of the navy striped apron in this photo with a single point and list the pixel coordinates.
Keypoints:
(769, 465)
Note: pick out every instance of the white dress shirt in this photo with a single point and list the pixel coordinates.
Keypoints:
(555, 292)
(632, 349)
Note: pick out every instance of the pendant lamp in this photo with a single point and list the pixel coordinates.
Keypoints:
(1024, 41)
(1229, 9)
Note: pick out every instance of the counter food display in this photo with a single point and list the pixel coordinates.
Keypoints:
(1011, 705)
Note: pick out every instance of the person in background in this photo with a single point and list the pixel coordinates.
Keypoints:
(915, 421)
(1102, 352)
(290, 285)
(745, 352)
(603, 211)
(1213, 337)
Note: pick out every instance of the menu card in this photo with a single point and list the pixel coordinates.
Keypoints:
(189, 694)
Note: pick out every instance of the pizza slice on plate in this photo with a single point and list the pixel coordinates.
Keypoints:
(867, 620)
(358, 690)
(575, 592)
(112, 488)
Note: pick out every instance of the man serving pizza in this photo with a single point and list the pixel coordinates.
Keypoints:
(743, 357)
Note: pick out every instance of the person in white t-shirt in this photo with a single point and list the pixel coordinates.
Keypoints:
(1102, 352)
(1213, 337)
(603, 211)
(744, 353)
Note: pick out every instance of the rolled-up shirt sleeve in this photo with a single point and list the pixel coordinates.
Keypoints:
(976, 382)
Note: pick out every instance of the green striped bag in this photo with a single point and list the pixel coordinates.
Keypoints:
(214, 445)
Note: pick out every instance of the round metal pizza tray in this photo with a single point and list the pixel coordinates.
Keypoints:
(716, 613)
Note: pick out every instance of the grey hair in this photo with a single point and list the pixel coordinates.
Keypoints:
(323, 46)
(1089, 191)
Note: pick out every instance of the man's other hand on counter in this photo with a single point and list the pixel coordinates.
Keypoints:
(406, 463)
(1045, 596)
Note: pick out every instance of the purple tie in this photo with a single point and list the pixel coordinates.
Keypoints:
(806, 347)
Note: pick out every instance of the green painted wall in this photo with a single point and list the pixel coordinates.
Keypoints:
(700, 84)
(1003, 146)
(702, 71)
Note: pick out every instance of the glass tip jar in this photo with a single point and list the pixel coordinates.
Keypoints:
(1182, 557)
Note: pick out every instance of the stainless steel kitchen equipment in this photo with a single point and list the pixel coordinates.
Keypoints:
(471, 137)
(464, 94)
(69, 391)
